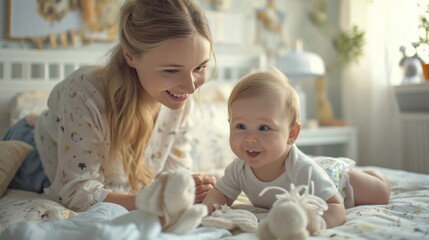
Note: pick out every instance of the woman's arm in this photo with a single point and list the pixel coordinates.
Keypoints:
(203, 185)
(336, 213)
(126, 200)
(75, 124)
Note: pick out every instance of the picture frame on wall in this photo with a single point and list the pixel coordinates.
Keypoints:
(45, 20)
(100, 19)
(29, 19)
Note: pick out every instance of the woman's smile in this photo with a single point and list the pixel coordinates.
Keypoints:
(177, 96)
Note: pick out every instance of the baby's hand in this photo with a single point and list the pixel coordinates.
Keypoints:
(203, 184)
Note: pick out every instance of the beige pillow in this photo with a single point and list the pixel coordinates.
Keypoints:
(12, 154)
(27, 102)
(18, 206)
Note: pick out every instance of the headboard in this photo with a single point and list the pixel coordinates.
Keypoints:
(23, 70)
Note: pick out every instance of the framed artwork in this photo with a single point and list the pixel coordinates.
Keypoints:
(31, 19)
(100, 19)
(270, 27)
(47, 19)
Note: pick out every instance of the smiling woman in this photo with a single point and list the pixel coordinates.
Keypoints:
(173, 71)
(110, 129)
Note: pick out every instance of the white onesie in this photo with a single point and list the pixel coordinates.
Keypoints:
(240, 177)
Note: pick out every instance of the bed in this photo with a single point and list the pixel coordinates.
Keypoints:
(26, 76)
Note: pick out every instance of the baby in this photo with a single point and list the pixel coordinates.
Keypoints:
(264, 123)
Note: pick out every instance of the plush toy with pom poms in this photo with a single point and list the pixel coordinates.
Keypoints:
(293, 215)
(228, 218)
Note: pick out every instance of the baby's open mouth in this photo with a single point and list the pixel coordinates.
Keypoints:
(253, 153)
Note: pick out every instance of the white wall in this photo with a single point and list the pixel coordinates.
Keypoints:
(297, 25)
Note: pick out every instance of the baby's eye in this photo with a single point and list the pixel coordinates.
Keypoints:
(264, 128)
(240, 126)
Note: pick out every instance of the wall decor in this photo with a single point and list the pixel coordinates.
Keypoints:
(100, 19)
(33, 19)
(270, 24)
(48, 21)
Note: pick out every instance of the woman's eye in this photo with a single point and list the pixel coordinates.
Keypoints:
(264, 128)
(240, 126)
(200, 68)
(170, 71)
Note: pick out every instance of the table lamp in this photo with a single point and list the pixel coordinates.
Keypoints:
(298, 63)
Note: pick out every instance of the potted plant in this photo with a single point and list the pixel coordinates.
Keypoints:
(348, 44)
(422, 47)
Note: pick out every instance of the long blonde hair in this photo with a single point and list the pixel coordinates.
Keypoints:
(271, 82)
(143, 25)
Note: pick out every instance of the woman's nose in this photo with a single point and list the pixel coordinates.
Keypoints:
(189, 84)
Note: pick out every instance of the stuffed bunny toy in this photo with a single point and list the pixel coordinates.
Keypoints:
(171, 197)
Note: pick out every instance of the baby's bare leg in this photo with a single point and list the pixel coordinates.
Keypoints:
(369, 187)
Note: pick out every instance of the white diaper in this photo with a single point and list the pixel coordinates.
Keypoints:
(338, 169)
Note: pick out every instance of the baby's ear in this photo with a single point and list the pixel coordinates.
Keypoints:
(293, 133)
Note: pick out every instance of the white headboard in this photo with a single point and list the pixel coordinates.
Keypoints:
(23, 70)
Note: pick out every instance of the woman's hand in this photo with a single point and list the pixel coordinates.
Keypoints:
(203, 184)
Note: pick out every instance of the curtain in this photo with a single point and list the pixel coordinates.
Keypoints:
(369, 101)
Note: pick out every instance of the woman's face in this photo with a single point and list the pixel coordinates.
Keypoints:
(173, 71)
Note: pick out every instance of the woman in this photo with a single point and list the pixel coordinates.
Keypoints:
(109, 130)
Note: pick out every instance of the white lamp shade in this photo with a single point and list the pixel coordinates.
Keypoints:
(298, 63)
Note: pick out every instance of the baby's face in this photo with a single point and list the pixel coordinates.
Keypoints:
(259, 131)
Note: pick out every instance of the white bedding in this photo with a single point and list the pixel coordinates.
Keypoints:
(105, 221)
(405, 217)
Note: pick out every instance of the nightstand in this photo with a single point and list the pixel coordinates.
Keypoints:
(323, 136)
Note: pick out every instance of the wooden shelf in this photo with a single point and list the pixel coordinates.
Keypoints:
(321, 136)
(413, 97)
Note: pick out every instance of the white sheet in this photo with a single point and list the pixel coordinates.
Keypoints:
(105, 221)
(405, 217)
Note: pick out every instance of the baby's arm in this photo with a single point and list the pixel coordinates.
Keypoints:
(216, 197)
(336, 213)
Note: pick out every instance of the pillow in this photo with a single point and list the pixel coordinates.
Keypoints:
(12, 154)
(215, 91)
(209, 138)
(28, 102)
(19, 206)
